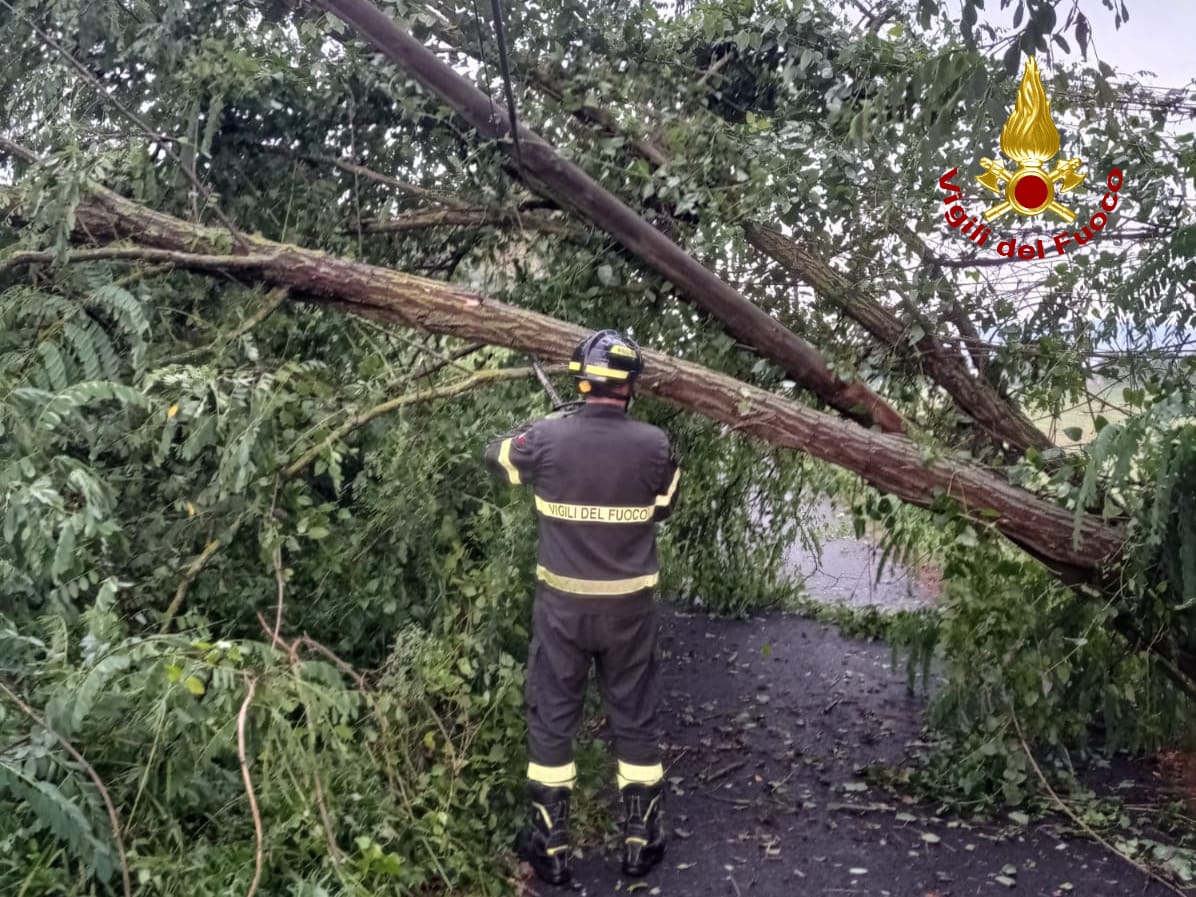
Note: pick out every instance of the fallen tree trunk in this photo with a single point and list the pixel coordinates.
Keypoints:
(889, 462)
(550, 174)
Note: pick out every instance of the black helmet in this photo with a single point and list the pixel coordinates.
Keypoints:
(604, 360)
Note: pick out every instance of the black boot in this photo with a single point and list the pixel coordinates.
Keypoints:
(545, 842)
(643, 830)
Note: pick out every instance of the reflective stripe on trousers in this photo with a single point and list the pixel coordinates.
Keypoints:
(575, 586)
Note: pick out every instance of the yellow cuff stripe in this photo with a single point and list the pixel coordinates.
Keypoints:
(631, 774)
(553, 776)
(504, 458)
(598, 371)
(576, 586)
(559, 510)
(662, 501)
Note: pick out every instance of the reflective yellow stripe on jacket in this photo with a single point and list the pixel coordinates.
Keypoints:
(576, 586)
(560, 510)
(662, 501)
(504, 458)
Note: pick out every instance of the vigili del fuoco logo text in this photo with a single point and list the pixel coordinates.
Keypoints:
(1031, 140)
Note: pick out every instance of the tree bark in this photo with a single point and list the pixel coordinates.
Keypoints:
(551, 175)
(973, 396)
(474, 217)
(889, 462)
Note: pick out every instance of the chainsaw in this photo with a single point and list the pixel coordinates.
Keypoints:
(559, 408)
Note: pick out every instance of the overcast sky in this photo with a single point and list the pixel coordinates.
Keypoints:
(1158, 37)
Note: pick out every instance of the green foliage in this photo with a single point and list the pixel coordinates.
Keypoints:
(360, 790)
(1165, 274)
(1168, 555)
(52, 810)
(112, 488)
(146, 416)
(1012, 653)
(1021, 656)
(725, 548)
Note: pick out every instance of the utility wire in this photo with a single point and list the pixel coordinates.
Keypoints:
(505, 69)
(477, 18)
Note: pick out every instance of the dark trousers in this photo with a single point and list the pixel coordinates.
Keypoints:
(567, 634)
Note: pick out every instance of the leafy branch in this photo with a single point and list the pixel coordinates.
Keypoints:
(194, 569)
(113, 819)
(481, 378)
(132, 116)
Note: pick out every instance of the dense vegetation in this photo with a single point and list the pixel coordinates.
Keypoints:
(274, 627)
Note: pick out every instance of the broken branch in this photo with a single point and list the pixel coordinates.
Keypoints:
(364, 417)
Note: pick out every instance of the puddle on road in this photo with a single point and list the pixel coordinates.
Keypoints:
(845, 571)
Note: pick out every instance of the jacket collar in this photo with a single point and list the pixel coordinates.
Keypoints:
(597, 409)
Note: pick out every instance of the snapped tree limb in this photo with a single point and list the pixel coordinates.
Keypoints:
(363, 417)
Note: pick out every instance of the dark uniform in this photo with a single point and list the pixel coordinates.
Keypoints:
(601, 482)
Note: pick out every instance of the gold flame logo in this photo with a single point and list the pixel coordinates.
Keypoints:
(1031, 139)
(1030, 136)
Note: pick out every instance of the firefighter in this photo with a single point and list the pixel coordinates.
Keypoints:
(601, 481)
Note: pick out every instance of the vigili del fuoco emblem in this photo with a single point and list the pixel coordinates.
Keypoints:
(1029, 139)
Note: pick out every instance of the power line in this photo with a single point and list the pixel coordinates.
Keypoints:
(477, 16)
(505, 70)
